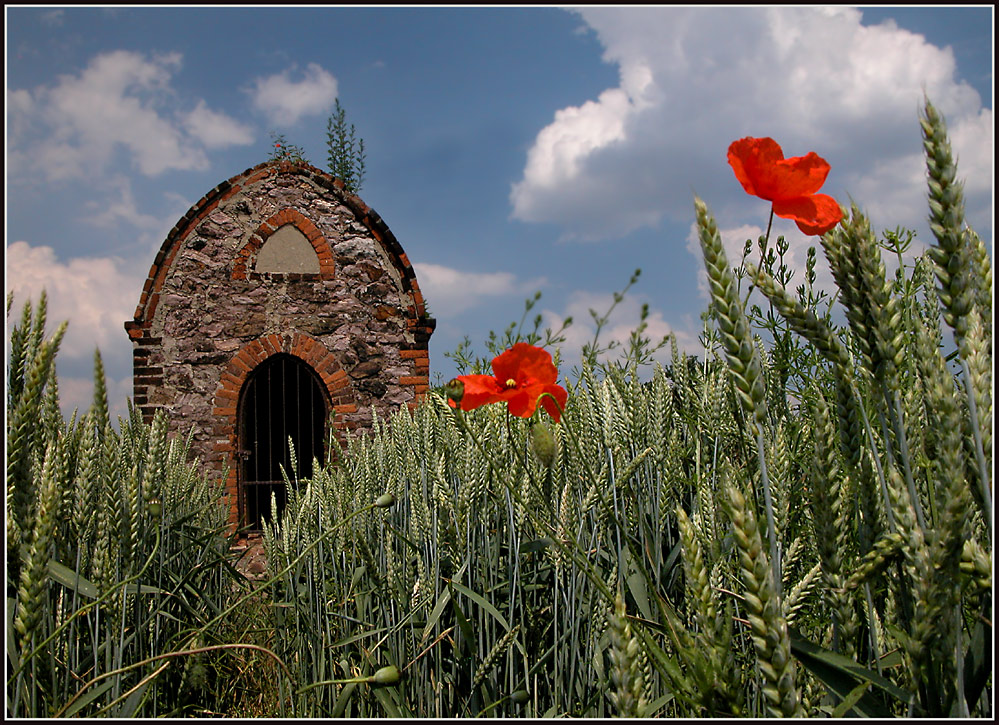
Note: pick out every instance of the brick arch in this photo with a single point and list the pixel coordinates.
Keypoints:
(235, 375)
(284, 217)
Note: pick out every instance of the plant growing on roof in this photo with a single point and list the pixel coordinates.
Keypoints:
(345, 151)
(281, 150)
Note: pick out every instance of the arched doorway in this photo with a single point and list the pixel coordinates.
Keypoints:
(282, 398)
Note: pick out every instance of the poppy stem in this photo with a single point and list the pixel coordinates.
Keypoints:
(766, 239)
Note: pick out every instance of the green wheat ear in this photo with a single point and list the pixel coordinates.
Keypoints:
(983, 269)
(34, 577)
(830, 521)
(763, 610)
(742, 354)
(963, 271)
(737, 337)
(953, 255)
(626, 675)
(698, 579)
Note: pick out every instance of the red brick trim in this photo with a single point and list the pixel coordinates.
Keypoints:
(234, 376)
(248, 252)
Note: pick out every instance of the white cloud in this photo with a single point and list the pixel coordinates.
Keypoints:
(451, 291)
(19, 110)
(216, 130)
(285, 101)
(969, 136)
(692, 80)
(18, 101)
(95, 294)
(122, 100)
(120, 206)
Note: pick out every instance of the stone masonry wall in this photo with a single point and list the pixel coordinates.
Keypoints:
(206, 318)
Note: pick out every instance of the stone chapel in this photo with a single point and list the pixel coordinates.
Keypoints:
(280, 305)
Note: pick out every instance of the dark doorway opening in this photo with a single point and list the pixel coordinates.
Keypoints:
(282, 398)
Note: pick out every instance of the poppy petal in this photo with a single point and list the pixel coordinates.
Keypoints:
(507, 363)
(521, 403)
(761, 168)
(815, 214)
(532, 373)
(537, 366)
(479, 390)
(554, 407)
(749, 157)
(801, 175)
(525, 363)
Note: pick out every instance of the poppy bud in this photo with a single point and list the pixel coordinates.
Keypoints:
(455, 390)
(519, 697)
(543, 443)
(385, 501)
(387, 675)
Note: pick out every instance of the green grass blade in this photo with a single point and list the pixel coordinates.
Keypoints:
(840, 674)
(482, 602)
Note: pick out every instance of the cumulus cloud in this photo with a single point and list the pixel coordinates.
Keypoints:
(214, 129)
(694, 79)
(95, 294)
(122, 101)
(77, 393)
(451, 291)
(284, 101)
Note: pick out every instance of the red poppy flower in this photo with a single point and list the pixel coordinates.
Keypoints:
(520, 376)
(791, 184)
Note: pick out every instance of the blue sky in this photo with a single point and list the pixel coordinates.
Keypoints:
(510, 150)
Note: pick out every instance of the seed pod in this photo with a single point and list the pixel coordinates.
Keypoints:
(386, 500)
(543, 443)
(519, 697)
(155, 507)
(455, 390)
(388, 675)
